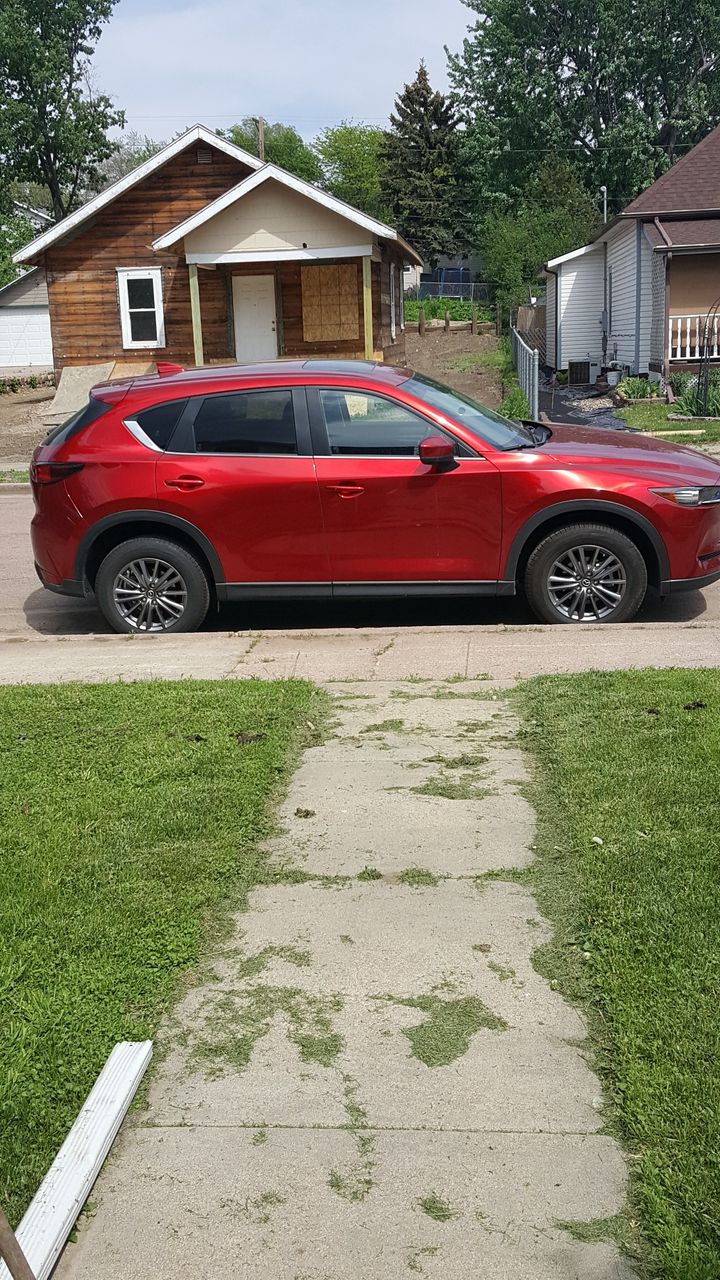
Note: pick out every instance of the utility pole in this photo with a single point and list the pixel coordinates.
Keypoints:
(261, 137)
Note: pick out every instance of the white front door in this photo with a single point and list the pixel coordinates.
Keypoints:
(255, 321)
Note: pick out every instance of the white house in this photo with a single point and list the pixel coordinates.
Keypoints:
(640, 292)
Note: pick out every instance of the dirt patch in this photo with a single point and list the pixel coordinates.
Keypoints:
(21, 426)
(436, 353)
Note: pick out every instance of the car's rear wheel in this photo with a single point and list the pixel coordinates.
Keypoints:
(586, 573)
(152, 586)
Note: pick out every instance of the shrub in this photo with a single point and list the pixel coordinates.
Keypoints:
(680, 382)
(689, 402)
(515, 404)
(435, 309)
(561, 377)
(637, 388)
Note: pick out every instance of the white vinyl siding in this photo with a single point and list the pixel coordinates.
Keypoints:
(622, 261)
(580, 311)
(550, 321)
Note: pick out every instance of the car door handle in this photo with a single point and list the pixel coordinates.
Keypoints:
(346, 490)
(185, 483)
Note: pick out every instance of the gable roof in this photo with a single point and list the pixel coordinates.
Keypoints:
(567, 257)
(198, 133)
(692, 185)
(273, 172)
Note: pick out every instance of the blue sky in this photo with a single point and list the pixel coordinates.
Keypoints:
(306, 62)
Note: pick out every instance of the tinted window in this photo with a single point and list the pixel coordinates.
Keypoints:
(489, 427)
(358, 423)
(159, 422)
(93, 410)
(246, 422)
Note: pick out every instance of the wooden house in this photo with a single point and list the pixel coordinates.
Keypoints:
(205, 255)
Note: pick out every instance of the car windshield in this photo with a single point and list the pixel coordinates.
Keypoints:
(489, 427)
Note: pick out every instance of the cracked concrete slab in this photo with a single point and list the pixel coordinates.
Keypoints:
(371, 1078)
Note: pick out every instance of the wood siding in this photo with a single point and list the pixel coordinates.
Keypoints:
(81, 271)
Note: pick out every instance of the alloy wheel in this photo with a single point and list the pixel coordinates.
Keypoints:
(150, 594)
(587, 583)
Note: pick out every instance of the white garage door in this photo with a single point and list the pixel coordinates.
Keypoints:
(25, 336)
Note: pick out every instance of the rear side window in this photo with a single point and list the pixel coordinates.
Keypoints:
(93, 410)
(246, 422)
(160, 422)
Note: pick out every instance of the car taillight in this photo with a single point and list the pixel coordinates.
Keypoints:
(51, 472)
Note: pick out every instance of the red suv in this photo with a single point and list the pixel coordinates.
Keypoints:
(318, 478)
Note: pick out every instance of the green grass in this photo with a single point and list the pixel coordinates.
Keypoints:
(625, 760)
(130, 817)
(448, 1028)
(14, 477)
(653, 416)
(418, 878)
(437, 1208)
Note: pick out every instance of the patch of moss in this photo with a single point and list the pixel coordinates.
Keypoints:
(239, 1019)
(449, 1027)
(437, 1208)
(418, 878)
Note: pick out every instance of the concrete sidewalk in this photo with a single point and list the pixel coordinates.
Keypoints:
(371, 1080)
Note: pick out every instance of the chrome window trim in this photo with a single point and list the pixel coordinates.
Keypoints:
(141, 436)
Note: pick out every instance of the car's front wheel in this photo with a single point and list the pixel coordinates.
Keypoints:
(586, 573)
(151, 586)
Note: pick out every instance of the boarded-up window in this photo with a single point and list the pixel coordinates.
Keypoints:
(330, 303)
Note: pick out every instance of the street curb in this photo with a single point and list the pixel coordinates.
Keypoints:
(10, 487)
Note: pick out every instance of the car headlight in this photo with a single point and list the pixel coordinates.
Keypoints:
(690, 497)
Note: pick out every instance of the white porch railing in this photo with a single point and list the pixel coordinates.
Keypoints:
(686, 337)
(527, 364)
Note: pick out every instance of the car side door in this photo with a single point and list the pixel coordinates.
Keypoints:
(388, 516)
(240, 468)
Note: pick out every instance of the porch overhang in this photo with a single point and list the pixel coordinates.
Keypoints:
(271, 256)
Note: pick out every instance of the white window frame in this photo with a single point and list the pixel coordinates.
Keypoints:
(393, 318)
(140, 273)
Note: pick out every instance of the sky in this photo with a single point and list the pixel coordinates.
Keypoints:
(309, 63)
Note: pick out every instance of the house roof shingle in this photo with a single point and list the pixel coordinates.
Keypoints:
(691, 185)
(684, 233)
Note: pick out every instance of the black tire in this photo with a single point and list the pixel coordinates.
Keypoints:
(187, 587)
(553, 601)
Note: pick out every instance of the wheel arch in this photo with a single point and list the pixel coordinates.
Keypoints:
(614, 514)
(115, 529)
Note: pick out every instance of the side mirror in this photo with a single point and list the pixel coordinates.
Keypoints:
(438, 453)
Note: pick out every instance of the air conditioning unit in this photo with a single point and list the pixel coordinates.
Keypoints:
(578, 373)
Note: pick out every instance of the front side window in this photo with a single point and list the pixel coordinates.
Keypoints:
(246, 422)
(141, 307)
(487, 426)
(361, 424)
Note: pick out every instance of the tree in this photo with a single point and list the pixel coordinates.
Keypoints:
(555, 214)
(283, 147)
(618, 87)
(421, 182)
(15, 231)
(351, 159)
(130, 151)
(53, 126)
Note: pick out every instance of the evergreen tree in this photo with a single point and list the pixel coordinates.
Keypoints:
(421, 184)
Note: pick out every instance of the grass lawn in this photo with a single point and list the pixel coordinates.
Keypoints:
(130, 817)
(14, 477)
(653, 416)
(628, 868)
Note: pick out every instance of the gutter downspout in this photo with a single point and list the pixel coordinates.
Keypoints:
(556, 274)
(666, 331)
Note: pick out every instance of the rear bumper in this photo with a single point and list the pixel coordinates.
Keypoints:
(68, 587)
(673, 585)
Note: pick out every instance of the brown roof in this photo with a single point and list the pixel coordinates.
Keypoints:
(691, 185)
(684, 233)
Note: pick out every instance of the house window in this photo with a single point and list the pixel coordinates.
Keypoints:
(141, 307)
(393, 321)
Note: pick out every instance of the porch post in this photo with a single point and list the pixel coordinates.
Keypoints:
(367, 307)
(195, 313)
